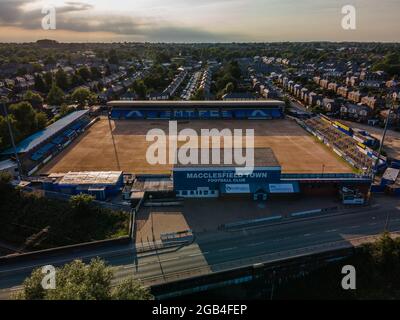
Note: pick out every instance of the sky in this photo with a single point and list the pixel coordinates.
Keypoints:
(199, 20)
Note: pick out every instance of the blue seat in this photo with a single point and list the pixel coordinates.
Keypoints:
(115, 115)
(58, 140)
(36, 156)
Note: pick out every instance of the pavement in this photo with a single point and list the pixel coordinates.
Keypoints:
(214, 252)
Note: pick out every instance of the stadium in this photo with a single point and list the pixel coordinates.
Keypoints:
(289, 160)
(41, 147)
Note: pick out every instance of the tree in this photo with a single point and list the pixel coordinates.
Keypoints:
(48, 79)
(288, 104)
(80, 281)
(41, 119)
(65, 110)
(40, 85)
(113, 57)
(34, 99)
(85, 73)
(50, 60)
(36, 67)
(76, 80)
(131, 290)
(5, 140)
(140, 88)
(96, 74)
(62, 79)
(82, 204)
(33, 289)
(199, 95)
(25, 117)
(55, 96)
(81, 96)
(230, 87)
(384, 252)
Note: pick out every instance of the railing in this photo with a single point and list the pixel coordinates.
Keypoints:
(318, 176)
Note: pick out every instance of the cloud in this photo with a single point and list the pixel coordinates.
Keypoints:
(78, 17)
(173, 34)
(11, 11)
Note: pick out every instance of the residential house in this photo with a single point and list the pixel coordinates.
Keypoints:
(317, 80)
(238, 96)
(371, 84)
(158, 96)
(355, 111)
(290, 86)
(324, 83)
(302, 93)
(332, 86)
(352, 81)
(373, 102)
(330, 105)
(21, 84)
(375, 76)
(392, 84)
(297, 89)
(354, 96)
(343, 91)
(313, 98)
(129, 96)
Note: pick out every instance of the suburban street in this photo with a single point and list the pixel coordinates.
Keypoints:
(223, 251)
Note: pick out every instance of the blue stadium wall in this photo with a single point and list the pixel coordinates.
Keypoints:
(198, 114)
(216, 181)
(75, 189)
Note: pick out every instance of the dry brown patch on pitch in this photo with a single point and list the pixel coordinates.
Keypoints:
(121, 145)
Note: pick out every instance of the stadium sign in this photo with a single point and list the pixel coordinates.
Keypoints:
(254, 114)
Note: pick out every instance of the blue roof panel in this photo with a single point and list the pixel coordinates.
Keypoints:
(38, 138)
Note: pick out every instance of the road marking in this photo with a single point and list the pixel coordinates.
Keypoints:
(308, 235)
(227, 249)
(255, 244)
(355, 227)
(62, 261)
(333, 230)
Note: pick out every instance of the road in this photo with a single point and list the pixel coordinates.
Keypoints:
(223, 251)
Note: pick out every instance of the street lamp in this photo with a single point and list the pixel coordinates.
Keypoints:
(10, 131)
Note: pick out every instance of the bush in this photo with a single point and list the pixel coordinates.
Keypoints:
(25, 214)
(80, 281)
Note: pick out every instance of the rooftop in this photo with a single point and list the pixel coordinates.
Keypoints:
(91, 178)
(7, 164)
(153, 184)
(38, 138)
(167, 104)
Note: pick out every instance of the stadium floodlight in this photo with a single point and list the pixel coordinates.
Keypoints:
(4, 100)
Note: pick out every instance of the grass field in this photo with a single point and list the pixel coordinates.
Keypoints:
(121, 145)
